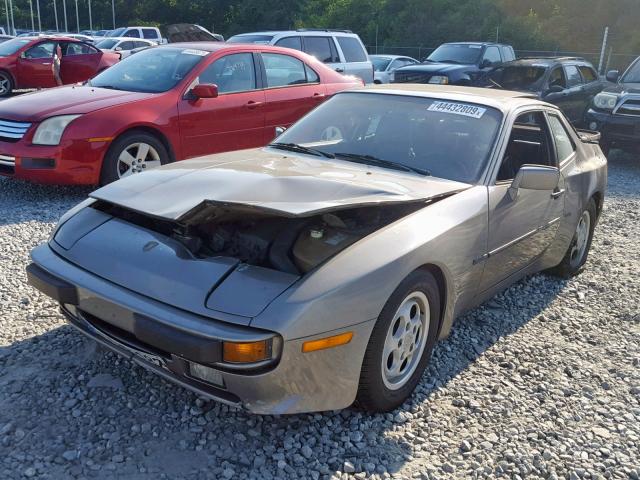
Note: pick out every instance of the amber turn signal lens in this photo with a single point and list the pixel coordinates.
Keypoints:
(329, 342)
(250, 352)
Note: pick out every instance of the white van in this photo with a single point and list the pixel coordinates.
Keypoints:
(148, 33)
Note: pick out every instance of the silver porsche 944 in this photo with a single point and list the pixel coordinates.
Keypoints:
(322, 269)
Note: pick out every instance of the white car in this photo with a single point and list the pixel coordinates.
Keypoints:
(123, 45)
(385, 65)
(146, 33)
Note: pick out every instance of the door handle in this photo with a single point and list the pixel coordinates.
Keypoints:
(557, 193)
(318, 96)
(251, 104)
(340, 70)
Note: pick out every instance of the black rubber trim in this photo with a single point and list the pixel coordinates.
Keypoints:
(52, 286)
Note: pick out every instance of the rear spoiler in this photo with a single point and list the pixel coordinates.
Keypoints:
(588, 136)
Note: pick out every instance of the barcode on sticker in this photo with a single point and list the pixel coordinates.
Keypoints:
(457, 109)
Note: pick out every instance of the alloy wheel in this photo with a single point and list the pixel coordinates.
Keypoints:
(5, 84)
(581, 239)
(405, 340)
(137, 158)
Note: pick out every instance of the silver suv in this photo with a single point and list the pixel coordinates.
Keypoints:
(342, 50)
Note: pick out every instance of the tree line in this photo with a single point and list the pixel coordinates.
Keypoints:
(565, 25)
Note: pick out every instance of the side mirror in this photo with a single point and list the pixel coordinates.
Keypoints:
(205, 90)
(535, 177)
(118, 49)
(613, 76)
(280, 131)
(486, 63)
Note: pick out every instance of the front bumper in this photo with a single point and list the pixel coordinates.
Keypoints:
(298, 382)
(74, 162)
(614, 128)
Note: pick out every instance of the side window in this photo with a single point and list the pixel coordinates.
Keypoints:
(492, 54)
(557, 78)
(528, 145)
(126, 45)
(149, 33)
(573, 76)
(283, 70)
(290, 42)
(232, 73)
(41, 50)
(352, 49)
(140, 44)
(561, 138)
(508, 54)
(79, 49)
(322, 48)
(312, 76)
(132, 33)
(588, 73)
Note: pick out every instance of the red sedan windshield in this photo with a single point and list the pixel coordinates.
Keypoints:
(12, 46)
(152, 71)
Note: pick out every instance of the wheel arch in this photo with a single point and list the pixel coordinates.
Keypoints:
(151, 131)
(10, 75)
(443, 290)
(598, 198)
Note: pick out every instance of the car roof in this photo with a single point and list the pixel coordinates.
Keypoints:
(376, 55)
(504, 100)
(548, 61)
(216, 46)
(484, 44)
(128, 38)
(51, 37)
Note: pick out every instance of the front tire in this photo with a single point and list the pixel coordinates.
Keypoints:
(401, 343)
(578, 251)
(6, 84)
(132, 153)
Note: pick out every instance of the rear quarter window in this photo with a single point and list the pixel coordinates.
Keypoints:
(352, 49)
(149, 33)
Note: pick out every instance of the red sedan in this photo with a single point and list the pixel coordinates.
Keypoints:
(162, 104)
(27, 62)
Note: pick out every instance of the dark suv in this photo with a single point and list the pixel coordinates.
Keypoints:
(615, 111)
(460, 63)
(571, 83)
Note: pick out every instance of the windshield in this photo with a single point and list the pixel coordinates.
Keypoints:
(449, 140)
(633, 74)
(259, 39)
(153, 70)
(106, 44)
(452, 53)
(517, 77)
(116, 33)
(12, 46)
(380, 64)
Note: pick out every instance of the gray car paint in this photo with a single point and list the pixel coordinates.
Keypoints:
(455, 236)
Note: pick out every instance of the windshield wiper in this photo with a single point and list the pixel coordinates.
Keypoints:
(371, 160)
(294, 147)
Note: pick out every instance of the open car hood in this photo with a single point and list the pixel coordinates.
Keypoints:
(268, 179)
(189, 32)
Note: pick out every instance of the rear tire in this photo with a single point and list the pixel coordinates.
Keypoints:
(578, 251)
(401, 343)
(132, 153)
(6, 84)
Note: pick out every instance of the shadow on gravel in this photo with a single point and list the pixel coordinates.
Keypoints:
(75, 411)
(41, 203)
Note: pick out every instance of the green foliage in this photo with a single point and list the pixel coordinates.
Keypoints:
(568, 25)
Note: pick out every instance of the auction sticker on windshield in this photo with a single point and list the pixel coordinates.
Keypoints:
(457, 109)
(201, 53)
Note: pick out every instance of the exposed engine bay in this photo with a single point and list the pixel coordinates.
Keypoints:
(256, 237)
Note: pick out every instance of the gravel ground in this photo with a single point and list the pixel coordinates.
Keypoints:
(543, 381)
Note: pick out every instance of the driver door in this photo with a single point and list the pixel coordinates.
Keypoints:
(35, 66)
(521, 225)
(232, 121)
